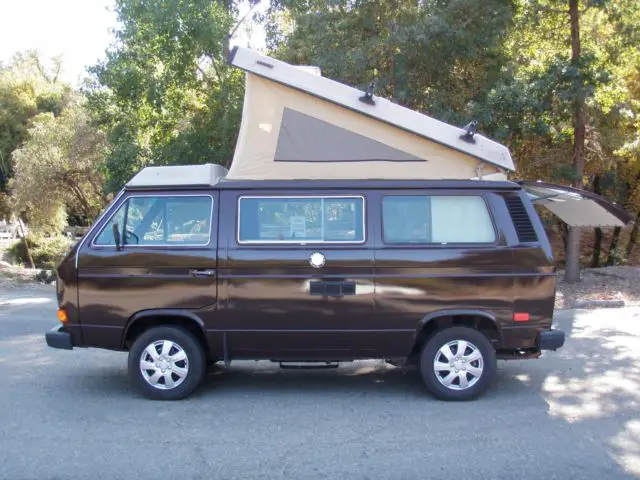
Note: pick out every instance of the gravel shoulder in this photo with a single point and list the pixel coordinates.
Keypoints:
(608, 283)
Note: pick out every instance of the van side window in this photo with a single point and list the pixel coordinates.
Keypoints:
(436, 219)
(161, 220)
(301, 220)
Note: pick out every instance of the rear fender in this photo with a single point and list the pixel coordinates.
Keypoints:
(452, 313)
(159, 313)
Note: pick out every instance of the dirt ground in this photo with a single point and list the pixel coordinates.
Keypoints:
(608, 283)
(12, 274)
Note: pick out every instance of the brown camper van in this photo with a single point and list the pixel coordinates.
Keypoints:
(347, 227)
(185, 269)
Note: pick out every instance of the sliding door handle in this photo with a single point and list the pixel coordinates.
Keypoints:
(328, 288)
(202, 273)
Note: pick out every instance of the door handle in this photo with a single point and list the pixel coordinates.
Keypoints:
(332, 288)
(202, 273)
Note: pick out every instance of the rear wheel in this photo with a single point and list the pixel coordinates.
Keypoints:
(166, 363)
(458, 363)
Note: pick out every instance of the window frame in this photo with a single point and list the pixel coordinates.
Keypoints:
(482, 195)
(163, 246)
(297, 242)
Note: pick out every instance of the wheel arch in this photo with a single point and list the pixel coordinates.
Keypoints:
(482, 320)
(142, 321)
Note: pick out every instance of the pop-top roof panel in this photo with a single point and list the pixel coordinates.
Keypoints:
(206, 175)
(380, 109)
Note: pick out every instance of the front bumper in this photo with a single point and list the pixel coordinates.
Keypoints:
(550, 340)
(58, 338)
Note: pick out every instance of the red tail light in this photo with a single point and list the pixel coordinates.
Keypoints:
(521, 317)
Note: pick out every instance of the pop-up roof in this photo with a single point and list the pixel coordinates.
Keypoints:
(297, 124)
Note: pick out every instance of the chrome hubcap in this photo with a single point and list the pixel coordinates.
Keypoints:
(164, 364)
(458, 365)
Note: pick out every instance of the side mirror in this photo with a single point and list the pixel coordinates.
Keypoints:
(116, 236)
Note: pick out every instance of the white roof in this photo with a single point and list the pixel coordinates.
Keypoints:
(384, 110)
(179, 176)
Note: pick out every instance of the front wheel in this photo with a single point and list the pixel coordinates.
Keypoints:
(166, 363)
(458, 363)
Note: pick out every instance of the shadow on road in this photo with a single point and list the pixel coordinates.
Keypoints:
(362, 377)
(592, 386)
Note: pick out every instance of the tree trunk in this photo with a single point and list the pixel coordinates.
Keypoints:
(633, 236)
(391, 27)
(26, 245)
(572, 257)
(597, 248)
(228, 6)
(597, 244)
(572, 273)
(564, 233)
(579, 128)
(612, 248)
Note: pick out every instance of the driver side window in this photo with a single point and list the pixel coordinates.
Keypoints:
(106, 236)
(160, 220)
(135, 209)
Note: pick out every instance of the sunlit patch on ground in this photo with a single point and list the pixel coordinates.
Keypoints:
(16, 302)
(600, 379)
(627, 443)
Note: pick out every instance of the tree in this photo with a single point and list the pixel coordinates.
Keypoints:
(165, 93)
(27, 87)
(58, 169)
(567, 97)
(436, 57)
(572, 274)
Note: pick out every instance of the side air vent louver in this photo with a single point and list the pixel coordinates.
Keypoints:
(521, 220)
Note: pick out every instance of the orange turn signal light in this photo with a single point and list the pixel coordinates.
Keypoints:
(62, 315)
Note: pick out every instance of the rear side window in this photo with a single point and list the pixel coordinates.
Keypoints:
(301, 220)
(161, 220)
(436, 219)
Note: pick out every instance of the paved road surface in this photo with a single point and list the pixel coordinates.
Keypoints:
(67, 415)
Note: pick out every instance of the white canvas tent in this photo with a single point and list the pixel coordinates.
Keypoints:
(297, 124)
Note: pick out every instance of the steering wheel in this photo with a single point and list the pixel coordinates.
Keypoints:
(130, 234)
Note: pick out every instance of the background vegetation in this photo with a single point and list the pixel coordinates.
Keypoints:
(556, 80)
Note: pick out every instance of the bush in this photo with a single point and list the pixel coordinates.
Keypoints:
(47, 252)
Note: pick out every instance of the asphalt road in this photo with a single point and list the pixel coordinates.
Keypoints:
(73, 415)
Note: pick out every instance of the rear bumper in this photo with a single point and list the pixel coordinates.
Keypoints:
(550, 340)
(58, 338)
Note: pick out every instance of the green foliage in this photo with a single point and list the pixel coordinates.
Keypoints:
(46, 252)
(438, 57)
(58, 169)
(165, 94)
(27, 88)
(6, 209)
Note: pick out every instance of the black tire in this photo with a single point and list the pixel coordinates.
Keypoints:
(444, 337)
(195, 356)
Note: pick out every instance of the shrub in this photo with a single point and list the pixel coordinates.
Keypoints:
(47, 252)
